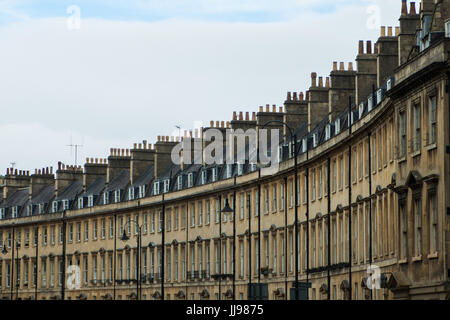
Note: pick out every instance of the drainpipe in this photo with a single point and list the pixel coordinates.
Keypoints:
(63, 285)
(370, 205)
(115, 248)
(349, 201)
(285, 239)
(36, 274)
(328, 228)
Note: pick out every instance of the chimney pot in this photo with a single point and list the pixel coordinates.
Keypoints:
(247, 116)
(222, 124)
(334, 65)
(87, 160)
(382, 31)
(412, 9)
(389, 31)
(281, 109)
(313, 79)
(228, 124)
(288, 96)
(404, 8)
(260, 109)
(327, 82)
(350, 66)
(253, 116)
(217, 124)
(241, 116)
(295, 96)
(361, 47)
(267, 108)
(301, 96)
(320, 82)
(211, 124)
(234, 115)
(375, 48)
(274, 108)
(369, 47)
(397, 31)
(307, 95)
(341, 66)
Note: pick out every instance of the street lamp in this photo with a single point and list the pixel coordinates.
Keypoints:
(227, 210)
(294, 142)
(5, 251)
(124, 238)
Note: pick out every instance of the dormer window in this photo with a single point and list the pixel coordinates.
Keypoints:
(106, 197)
(337, 126)
(241, 168)
(156, 188)
(80, 203)
(304, 145)
(131, 193)
(379, 95)
(190, 179)
(204, 176)
(179, 182)
(65, 204)
(361, 110)
(389, 83)
(90, 201)
(117, 196)
(41, 208)
(29, 210)
(350, 117)
(229, 170)
(2, 213)
(142, 191)
(55, 206)
(315, 140)
(370, 104)
(327, 132)
(15, 212)
(214, 174)
(166, 185)
(252, 167)
(447, 29)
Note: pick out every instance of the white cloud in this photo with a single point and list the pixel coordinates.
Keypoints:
(115, 83)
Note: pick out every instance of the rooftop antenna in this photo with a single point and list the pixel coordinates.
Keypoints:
(179, 130)
(76, 146)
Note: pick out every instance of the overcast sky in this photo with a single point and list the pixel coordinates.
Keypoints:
(134, 69)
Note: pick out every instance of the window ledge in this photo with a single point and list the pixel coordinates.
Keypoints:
(431, 147)
(432, 256)
(415, 154)
(403, 261)
(417, 258)
(403, 159)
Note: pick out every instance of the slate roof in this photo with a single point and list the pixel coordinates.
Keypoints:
(71, 191)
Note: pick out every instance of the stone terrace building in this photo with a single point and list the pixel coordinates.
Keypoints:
(373, 188)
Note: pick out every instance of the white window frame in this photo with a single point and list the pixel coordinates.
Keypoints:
(131, 193)
(90, 201)
(180, 182)
(55, 206)
(190, 179)
(117, 195)
(166, 185)
(142, 189)
(156, 188)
